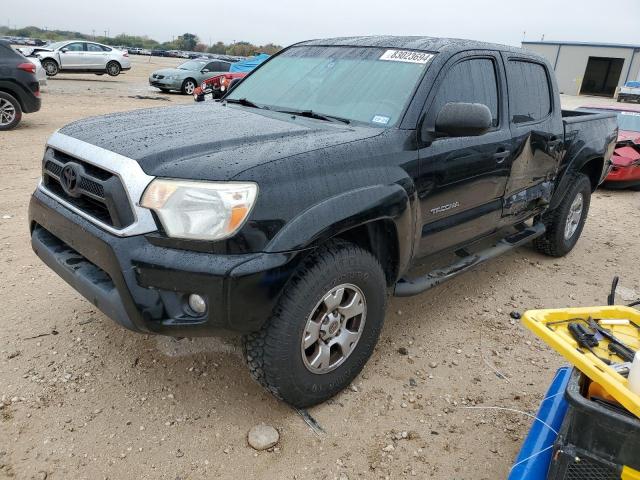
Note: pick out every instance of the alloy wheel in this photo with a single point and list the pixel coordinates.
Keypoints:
(333, 329)
(7, 112)
(574, 216)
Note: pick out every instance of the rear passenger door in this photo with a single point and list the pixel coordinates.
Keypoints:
(536, 127)
(96, 56)
(462, 179)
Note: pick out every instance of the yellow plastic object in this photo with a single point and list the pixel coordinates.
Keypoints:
(552, 327)
(630, 474)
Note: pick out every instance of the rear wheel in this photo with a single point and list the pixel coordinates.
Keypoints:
(50, 67)
(10, 111)
(113, 69)
(565, 223)
(188, 86)
(324, 328)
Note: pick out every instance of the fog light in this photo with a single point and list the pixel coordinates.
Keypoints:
(197, 303)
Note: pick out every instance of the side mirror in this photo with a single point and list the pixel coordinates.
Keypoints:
(64, 50)
(205, 70)
(463, 119)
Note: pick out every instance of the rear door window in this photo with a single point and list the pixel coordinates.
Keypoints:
(92, 47)
(470, 81)
(529, 91)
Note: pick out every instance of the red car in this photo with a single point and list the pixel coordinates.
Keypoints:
(625, 172)
(216, 86)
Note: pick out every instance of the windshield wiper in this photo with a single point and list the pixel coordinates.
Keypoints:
(317, 116)
(244, 102)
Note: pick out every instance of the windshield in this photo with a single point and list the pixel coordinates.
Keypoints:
(629, 121)
(371, 85)
(192, 65)
(55, 45)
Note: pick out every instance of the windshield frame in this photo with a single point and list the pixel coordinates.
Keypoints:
(403, 111)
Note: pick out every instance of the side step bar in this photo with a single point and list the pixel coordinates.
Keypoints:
(407, 288)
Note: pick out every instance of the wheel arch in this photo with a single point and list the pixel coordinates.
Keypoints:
(592, 167)
(6, 88)
(377, 218)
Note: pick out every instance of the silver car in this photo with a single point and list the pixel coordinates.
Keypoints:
(187, 76)
(79, 56)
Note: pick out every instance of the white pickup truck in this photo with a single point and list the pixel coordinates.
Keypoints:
(630, 92)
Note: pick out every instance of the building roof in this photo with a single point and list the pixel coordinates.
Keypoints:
(430, 44)
(580, 44)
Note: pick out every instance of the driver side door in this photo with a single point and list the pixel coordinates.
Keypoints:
(72, 56)
(462, 179)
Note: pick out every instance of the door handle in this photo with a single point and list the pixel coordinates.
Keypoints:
(500, 155)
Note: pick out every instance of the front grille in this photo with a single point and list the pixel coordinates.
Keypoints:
(97, 192)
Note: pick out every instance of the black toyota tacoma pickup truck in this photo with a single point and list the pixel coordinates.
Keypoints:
(291, 209)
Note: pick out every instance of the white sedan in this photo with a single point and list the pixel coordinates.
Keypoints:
(79, 56)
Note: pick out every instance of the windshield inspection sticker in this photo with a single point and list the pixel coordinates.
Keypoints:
(407, 56)
(381, 119)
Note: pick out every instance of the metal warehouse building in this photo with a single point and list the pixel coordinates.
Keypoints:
(590, 68)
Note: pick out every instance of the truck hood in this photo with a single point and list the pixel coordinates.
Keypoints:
(210, 141)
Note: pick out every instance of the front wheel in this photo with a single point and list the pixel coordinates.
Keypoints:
(565, 223)
(113, 69)
(188, 86)
(50, 67)
(324, 328)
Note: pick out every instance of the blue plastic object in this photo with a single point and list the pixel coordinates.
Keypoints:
(248, 64)
(633, 84)
(533, 460)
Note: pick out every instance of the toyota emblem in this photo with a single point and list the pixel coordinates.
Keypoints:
(70, 178)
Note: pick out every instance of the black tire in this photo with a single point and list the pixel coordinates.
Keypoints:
(50, 67)
(113, 69)
(188, 86)
(555, 242)
(274, 354)
(10, 111)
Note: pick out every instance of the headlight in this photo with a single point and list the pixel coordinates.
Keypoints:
(200, 210)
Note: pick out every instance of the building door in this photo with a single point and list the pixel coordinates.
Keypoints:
(601, 76)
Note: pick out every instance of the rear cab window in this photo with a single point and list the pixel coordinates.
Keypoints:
(529, 91)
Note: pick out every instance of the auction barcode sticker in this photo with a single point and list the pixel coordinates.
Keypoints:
(407, 56)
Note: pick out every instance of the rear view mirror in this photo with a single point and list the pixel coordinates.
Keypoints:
(463, 119)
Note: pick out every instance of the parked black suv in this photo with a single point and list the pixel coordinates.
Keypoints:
(19, 88)
(311, 191)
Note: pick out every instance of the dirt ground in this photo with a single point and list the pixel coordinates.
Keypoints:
(84, 398)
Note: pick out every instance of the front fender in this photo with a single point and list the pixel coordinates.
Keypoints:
(348, 210)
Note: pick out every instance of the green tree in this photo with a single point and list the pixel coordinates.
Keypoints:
(270, 48)
(187, 41)
(218, 47)
(242, 49)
